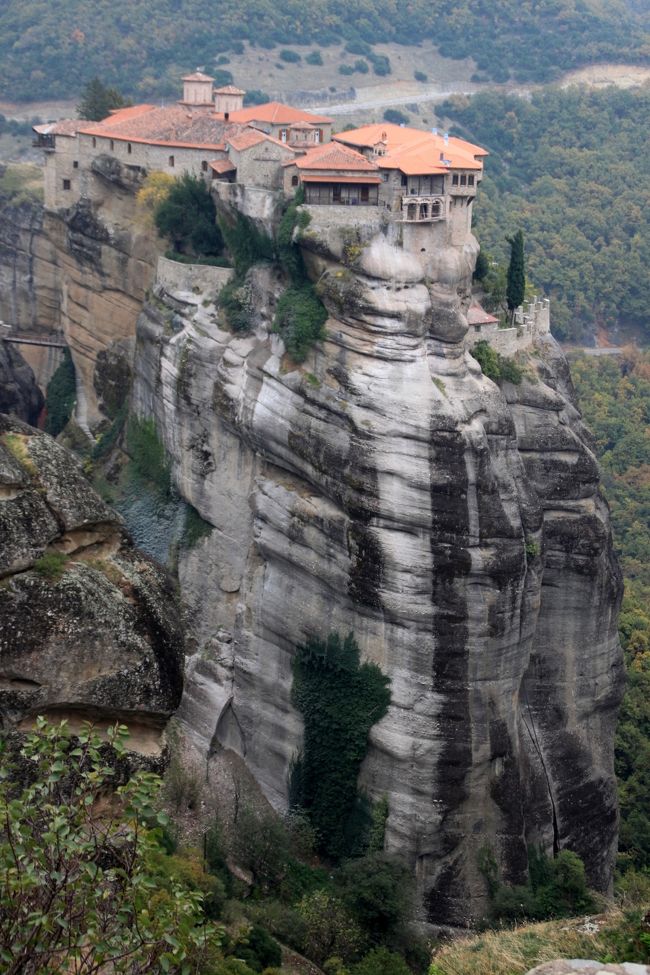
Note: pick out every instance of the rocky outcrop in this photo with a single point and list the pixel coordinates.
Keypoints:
(19, 393)
(89, 628)
(584, 967)
(387, 487)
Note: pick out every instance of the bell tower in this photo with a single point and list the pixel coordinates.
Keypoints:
(197, 90)
(228, 99)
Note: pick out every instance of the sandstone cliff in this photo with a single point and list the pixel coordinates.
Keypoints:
(387, 487)
(89, 627)
(83, 271)
(19, 393)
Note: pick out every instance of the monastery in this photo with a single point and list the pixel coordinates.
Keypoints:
(417, 176)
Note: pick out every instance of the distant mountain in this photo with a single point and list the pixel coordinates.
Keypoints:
(49, 50)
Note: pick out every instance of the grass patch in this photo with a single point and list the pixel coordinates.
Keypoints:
(148, 455)
(17, 445)
(51, 565)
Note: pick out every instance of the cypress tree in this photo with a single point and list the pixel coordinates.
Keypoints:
(516, 286)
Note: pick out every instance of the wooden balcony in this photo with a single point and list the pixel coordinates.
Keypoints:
(423, 209)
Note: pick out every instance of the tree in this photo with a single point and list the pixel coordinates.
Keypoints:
(188, 216)
(97, 101)
(78, 891)
(516, 286)
(153, 193)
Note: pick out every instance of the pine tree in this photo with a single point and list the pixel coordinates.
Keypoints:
(97, 101)
(516, 286)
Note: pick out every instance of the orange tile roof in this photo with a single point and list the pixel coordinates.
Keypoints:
(276, 113)
(413, 151)
(222, 166)
(64, 126)
(335, 157)
(197, 76)
(175, 125)
(229, 90)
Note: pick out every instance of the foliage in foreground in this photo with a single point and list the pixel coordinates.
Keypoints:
(340, 700)
(79, 889)
(186, 214)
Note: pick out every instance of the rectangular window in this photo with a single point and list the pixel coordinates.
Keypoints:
(171, 161)
(404, 180)
(454, 179)
(463, 179)
(470, 180)
(94, 142)
(75, 164)
(128, 148)
(204, 166)
(283, 135)
(364, 194)
(66, 184)
(112, 145)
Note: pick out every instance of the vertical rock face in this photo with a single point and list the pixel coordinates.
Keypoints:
(387, 487)
(19, 393)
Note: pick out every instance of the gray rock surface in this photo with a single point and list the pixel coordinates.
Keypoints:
(95, 633)
(387, 487)
(19, 393)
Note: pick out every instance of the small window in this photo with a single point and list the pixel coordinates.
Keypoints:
(283, 135)
(112, 145)
(454, 179)
(204, 166)
(75, 164)
(404, 180)
(66, 184)
(320, 136)
(294, 180)
(128, 148)
(470, 180)
(170, 161)
(463, 179)
(94, 142)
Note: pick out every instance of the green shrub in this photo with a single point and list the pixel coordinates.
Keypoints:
(257, 949)
(51, 565)
(255, 97)
(497, 367)
(375, 889)
(314, 57)
(61, 396)
(361, 66)
(148, 455)
(188, 217)
(246, 243)
(107, 440)
(420, 76)
(235, 300)
(299, 318)
(291, 57)
(628, 939)
(329, 929)
(195, 527)
(346, 69)
(556, 888)
(340, 699)
(381, 961)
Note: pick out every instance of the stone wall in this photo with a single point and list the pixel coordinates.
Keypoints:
(175, 276)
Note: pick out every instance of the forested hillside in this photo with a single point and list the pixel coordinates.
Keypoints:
(570, 168)
(615, 399)
(49, 49)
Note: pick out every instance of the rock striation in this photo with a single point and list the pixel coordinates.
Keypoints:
(19, 393)
(389, 488)
(89, 627)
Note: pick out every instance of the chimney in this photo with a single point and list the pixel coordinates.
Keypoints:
(446, 138)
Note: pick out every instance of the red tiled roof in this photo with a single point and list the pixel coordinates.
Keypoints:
(64, 126)
(175, 125)
(229, 90)
(335, 178)
(276, 113)
(476, 315)
(413, 151)
(335, 157)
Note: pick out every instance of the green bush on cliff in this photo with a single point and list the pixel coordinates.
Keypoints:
(299, 318)
(147, 452)
(340, 700)
(61, 396)
(188, 217)
(497, 367)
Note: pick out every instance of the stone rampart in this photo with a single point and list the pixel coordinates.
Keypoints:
(530, 322)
